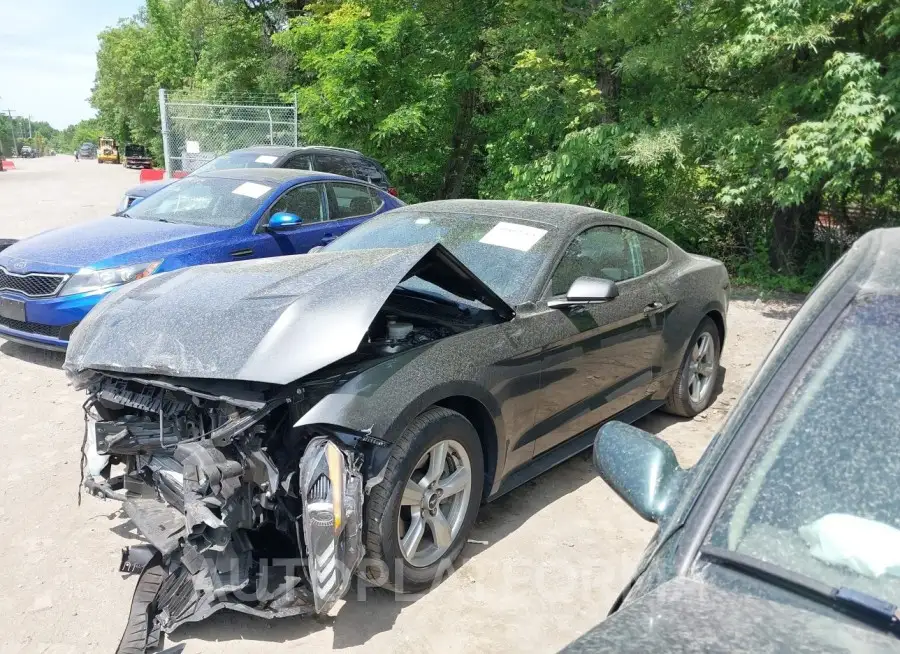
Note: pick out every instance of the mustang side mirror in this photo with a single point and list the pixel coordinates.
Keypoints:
(284, 222)
(640, 468)
(587, 290)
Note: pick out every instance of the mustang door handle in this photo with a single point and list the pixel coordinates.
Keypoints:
(328, 239)
(246, 252)
(653, 307)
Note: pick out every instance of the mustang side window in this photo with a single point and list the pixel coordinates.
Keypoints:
(304, 201)
(597, 252)
(654, 253)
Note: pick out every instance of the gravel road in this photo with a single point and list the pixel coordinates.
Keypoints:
(544, 562)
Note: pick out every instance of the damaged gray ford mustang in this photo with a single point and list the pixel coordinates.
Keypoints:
(275, 427)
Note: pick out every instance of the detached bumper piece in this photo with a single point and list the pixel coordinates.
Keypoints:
(230, 523)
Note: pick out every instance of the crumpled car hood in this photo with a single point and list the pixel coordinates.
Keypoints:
(269, 320)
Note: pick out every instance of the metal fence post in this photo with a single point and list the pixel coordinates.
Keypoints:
(295, 120)
(164, 123)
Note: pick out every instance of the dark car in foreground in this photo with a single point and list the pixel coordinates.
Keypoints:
(367, 398)
(786, 534)
(322, 158)
(50, 281)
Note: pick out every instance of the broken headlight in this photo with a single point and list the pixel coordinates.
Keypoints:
(332, 491)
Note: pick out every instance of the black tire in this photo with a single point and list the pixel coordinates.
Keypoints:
(679, 401)
(385, 564)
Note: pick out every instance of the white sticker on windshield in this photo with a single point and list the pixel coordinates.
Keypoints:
(252, 190)
(511, 235)
(266, 159)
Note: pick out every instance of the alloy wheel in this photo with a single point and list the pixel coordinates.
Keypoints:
(434, 502)
(702, 369)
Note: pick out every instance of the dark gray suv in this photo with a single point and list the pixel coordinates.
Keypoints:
(326, 159)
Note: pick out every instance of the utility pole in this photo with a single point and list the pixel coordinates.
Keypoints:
(29, 127)
(15, 150)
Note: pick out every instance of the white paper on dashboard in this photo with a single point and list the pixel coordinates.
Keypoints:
(266, 159)
(511, 235)
(251, 190)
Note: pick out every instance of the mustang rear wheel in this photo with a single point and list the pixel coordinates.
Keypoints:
(699, 372)
(419, 516)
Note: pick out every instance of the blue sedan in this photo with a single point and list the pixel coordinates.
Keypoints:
(50, 281)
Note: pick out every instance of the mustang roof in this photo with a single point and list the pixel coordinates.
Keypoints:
(565, 216)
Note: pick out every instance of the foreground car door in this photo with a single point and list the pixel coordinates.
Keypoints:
(609, 354)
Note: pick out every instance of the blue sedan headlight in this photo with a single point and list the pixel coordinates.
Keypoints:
(88, 279)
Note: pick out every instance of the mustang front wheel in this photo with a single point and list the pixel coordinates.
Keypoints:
(419, 516)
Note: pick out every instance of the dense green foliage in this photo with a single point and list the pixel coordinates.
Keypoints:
(208, 47)
(18, 131)
(733, 126)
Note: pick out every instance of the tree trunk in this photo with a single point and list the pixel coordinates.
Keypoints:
(462, 139)
(792, 234)
(461, 144)
(609, 86)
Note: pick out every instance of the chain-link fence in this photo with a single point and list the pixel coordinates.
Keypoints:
(196, 131)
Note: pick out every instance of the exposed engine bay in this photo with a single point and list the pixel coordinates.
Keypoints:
(241, 507)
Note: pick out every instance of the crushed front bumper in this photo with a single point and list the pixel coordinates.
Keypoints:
(200, 509)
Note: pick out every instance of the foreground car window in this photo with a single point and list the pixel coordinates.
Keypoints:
(818, 495)
(214, 202)
(506, 264)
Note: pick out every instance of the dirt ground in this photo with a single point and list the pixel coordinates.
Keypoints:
(543, 565)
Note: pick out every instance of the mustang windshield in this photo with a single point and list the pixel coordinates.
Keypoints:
(207, 201)
(504, 253)
(819, 494)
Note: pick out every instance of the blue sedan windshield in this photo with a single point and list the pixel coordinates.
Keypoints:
(208, 201)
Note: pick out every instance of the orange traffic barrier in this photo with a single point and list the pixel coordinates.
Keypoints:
(152, 174)
(9, 165)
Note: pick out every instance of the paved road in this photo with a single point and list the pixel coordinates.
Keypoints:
(544, 564)
(55, 191)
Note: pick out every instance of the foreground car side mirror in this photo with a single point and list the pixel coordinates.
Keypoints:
(587, 290)
(284, 222)
(640, 468)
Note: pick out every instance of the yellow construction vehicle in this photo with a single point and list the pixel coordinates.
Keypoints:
(108, 152)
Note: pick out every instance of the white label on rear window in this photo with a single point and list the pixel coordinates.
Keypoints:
(266, 159)
(252, 190)
(192, 147)
(511, 235)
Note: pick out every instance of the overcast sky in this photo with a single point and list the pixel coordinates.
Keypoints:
(47, 55)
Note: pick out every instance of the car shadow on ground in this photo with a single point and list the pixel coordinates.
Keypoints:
(46, 358)
(366, 611)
